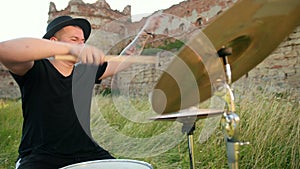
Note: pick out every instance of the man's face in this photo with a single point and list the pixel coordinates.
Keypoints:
(70, 34)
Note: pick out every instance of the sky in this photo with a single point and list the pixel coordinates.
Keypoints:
(28, 18)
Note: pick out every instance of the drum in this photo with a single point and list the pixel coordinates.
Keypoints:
(110, 164)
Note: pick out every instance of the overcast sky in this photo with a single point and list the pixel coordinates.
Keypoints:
(28, 18)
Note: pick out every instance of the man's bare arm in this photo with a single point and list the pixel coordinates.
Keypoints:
(18, 54)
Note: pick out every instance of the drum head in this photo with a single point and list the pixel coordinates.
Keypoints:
(110, 164)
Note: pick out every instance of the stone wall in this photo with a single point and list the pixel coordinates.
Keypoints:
(8, 87)
(111, 27)
(281, 69)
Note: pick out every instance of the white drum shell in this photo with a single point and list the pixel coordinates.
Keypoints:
(110, 164)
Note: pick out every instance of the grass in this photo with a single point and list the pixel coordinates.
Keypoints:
(270, 121)
(10, 132)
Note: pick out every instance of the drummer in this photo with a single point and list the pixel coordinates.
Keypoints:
(52, 136)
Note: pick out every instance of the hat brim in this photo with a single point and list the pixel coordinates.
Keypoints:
(82, 23)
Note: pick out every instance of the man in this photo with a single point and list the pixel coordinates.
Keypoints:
(52, 136)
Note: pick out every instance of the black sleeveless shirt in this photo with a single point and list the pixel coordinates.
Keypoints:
(50, 123)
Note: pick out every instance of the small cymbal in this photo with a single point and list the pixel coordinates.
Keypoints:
(253, 29)
(187, 114)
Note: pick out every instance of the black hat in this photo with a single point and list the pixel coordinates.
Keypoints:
(62, 21)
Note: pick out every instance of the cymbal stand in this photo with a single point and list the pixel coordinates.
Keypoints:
(188, 127)
(230, 120)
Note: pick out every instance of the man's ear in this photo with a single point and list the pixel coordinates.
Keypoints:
(53, 38)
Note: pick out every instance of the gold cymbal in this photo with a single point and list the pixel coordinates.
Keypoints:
(189, 114)
(190, 78)
(253, 29)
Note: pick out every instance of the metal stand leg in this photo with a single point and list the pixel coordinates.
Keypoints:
(189, 130)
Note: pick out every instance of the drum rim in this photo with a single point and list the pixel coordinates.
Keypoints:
(108, 160)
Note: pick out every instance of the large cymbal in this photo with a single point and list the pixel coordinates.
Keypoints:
(252, 28)
(190, 78)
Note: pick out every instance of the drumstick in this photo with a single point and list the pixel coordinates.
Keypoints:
(115, 58)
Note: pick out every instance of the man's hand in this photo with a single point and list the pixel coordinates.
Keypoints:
(87, 54)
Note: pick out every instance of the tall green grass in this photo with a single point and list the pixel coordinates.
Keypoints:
(270, 121)
(10, 132)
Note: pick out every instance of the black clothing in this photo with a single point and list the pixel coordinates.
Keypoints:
(51, 126)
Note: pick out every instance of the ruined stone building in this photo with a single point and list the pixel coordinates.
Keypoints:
(112, 30)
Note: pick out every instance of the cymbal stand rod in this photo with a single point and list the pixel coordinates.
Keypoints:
(230, 123)
(223, 53)
(189, 130)
(191, 151)
(230, 120)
